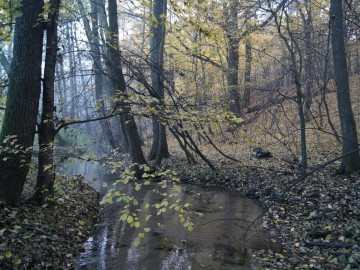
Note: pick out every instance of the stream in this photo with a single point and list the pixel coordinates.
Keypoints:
(222, 233)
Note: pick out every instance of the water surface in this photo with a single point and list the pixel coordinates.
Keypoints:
(220, 238)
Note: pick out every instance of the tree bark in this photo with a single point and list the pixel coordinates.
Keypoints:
(348, 126)
(232, 76)
(44, 188)
(118, 80)
(72, 72)
(308, 65)
(159, 148)
(22, 101)
(247, 74)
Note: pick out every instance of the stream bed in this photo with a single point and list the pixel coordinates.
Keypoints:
(222, 234)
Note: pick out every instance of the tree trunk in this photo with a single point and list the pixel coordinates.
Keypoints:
(118, 80)
(159, 148)
(351, 162)
(22, 101)
(64, 89)
(46, 171)
(72, 72)
(247, 74)
(309, 70)
(232, 76)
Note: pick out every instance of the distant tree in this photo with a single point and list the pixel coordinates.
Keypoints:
(92, 33)
(18, 129)
(287, 35)
(247, 74)
(351, 162)
(306, 16)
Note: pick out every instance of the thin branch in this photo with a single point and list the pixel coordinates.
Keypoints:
(86, 121)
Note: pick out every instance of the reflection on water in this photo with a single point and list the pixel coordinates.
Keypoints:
(219, 239)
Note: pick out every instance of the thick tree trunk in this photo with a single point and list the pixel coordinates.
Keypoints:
(46, 171)
(348, 126)
(159, 148)
(22, 101)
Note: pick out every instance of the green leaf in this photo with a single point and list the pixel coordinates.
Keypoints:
(123, 217)
(136, 242)
(130, 219)
(136, 224)
(164, 203)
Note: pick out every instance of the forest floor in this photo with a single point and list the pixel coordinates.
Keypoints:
(52, 236)
(317, 219)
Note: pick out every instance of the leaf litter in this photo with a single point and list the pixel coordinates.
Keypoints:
(52, 236)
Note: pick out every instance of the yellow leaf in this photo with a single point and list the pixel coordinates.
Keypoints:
(17, 261)
(123, 217)
(130, 219)
(81, 222)
(8, 254)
